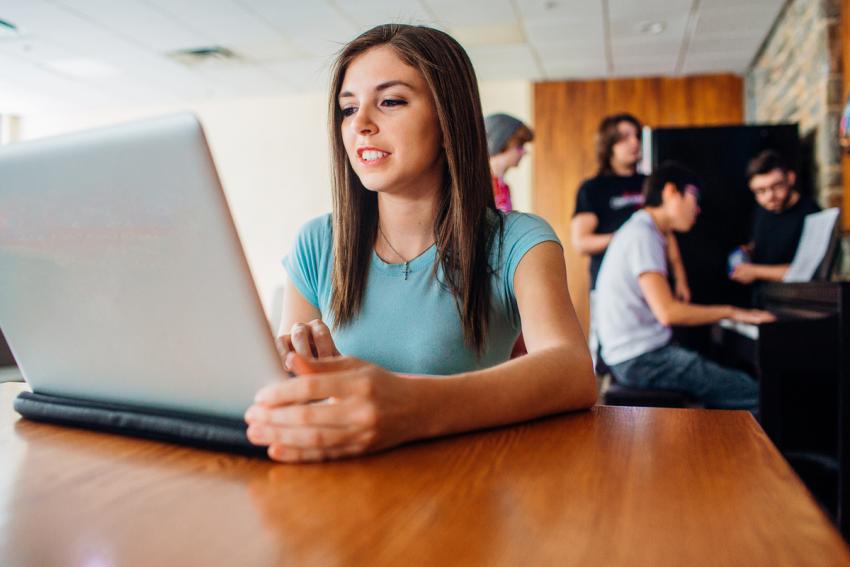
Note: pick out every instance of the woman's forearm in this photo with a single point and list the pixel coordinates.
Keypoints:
(549, 381)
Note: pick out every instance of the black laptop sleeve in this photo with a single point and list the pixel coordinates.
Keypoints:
(207, 432)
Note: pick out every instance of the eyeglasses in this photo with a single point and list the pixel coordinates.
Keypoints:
(777, 187)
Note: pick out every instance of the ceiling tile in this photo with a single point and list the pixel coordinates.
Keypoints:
(570, 50)
(498, 62)
(367, 14)
(142, 23)
(303, 74)
(471, 12)
(230, 25)
(571, 68)
(316, 28)
(661, 10)
(548, 31)
(738, 16)
(560, 10)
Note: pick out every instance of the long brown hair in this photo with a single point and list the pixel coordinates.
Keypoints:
(607, 135)
(464, 229)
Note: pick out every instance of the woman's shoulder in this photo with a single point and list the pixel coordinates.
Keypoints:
(314, 238)
(321, 223)
(518, 228)
(517, 222)
(317, 229)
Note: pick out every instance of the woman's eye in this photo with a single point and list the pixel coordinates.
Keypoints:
(348, 110)
(393, 102)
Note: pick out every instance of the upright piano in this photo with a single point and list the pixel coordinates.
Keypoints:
(802, 363)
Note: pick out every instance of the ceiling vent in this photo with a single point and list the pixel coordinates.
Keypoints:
(204, 56)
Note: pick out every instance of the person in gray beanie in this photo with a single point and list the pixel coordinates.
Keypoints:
(506, 139)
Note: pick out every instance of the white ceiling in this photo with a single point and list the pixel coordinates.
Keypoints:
(73, 54)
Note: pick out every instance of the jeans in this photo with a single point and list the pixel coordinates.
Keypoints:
(677, 369)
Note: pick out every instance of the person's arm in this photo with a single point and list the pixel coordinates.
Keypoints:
(372, 409)
(584, 240)
(555, 376)
(680, 277)
(746, 272)
(669, 311)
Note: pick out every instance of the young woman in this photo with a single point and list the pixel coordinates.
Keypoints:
(416, 277)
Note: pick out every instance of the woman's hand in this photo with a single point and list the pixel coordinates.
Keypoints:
(333, 408)
(310, 340)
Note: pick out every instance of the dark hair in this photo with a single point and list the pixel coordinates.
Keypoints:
(464, 226)
(765, 162)
(667, 172)
(607, 135)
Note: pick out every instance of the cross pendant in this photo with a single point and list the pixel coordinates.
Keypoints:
(406, 269)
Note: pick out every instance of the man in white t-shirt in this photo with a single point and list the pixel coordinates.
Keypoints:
(636, 307)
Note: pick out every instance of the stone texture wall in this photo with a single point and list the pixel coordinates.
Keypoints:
(796, 77)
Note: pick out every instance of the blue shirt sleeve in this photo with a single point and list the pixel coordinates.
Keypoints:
(523, 232)
(306, 259)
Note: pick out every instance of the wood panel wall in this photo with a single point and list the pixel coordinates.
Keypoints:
(566, 115)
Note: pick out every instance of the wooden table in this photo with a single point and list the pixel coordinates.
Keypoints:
(612, 486)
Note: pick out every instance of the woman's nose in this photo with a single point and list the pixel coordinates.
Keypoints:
(363, 122)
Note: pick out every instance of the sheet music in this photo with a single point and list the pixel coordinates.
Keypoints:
(817, 234)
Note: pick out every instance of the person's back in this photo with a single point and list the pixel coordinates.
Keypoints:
(626, 325)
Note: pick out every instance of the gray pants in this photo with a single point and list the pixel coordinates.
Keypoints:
(677, 369)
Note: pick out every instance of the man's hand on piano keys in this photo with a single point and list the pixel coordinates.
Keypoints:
(752, 316)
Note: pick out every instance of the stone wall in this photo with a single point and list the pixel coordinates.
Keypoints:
(796, 77)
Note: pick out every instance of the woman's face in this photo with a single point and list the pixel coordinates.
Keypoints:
(390, 127)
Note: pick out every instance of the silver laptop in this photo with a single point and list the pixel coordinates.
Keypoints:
(121, 273)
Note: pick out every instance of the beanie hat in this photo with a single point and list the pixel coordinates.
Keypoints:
(500, 127)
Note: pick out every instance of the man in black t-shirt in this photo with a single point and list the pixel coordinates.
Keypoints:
(778, 220)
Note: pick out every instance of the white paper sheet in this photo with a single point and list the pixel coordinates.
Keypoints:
(817, 234)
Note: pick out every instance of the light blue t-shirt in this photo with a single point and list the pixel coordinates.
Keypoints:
(412, 325)
(625, 324)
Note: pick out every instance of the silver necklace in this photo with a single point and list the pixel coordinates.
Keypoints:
(405, 270)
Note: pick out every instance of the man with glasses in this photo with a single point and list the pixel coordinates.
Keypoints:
(636, 306)
(778, 221)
